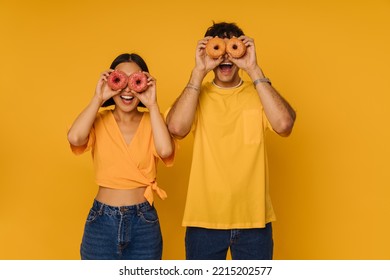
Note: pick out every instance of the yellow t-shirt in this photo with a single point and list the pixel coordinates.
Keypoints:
(228, 186)
(119, 165)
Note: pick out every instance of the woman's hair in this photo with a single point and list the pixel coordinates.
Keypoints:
(126, 57)
(224, 30)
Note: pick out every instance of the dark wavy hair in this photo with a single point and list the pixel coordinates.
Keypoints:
(224, 30)
(127, 57)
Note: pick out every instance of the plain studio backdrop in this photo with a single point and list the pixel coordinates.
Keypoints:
(330, 180)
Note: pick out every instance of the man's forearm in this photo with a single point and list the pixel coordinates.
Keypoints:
(182, 114)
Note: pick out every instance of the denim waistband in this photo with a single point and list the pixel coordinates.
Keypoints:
(132, 209)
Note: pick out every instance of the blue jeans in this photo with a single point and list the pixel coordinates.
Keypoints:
(244, 244)
(122, 233)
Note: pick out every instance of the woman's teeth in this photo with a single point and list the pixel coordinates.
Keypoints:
(126, 97)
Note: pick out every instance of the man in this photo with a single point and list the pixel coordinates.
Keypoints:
(228, 203)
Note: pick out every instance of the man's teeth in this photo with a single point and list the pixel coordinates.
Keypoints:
(127, 97)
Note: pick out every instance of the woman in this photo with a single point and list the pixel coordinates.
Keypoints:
(126, 144)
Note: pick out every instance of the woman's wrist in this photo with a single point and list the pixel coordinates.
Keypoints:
(153, 107)
(98, 100)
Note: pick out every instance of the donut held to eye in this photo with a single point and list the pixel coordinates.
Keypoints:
(117, 80)
(138, 82)
(215, 47)
(235, 47)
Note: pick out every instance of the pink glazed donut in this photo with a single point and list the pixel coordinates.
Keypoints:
(117, 80)
(138, 82)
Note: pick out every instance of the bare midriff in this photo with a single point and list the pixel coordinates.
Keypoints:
(115, 197)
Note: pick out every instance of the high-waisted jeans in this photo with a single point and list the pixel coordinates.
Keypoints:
(122, 233)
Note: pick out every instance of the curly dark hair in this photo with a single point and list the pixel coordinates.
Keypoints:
(224, 30)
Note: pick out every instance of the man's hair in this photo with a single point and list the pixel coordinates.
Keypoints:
(224, 30)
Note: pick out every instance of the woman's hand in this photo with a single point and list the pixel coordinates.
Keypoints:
(149, 96)
(103, 92)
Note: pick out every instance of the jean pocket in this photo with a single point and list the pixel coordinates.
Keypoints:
(149, 216)
(92, 215)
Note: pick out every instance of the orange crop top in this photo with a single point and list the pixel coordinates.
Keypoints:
(121, 166)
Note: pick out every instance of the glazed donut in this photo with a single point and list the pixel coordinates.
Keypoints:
(215, 47)
(117, 80)
(138, 82)
(235, 47)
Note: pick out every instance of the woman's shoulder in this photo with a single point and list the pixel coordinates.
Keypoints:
(103, 116)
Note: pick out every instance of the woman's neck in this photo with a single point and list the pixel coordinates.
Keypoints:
(126, 116)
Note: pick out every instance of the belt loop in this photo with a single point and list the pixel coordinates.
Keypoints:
(101, 208)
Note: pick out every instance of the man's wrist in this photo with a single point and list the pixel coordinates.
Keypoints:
(261, 80)
(193, 87)
(197, 76)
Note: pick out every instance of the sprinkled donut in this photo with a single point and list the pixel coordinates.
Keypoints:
(215, 47)
(117, 80)
(138, 82)
(235, 47)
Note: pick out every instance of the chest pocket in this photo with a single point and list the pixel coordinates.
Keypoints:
(252, 126)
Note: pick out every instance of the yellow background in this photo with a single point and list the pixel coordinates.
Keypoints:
(330, 58)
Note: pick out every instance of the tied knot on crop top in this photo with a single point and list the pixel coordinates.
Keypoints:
(119, 165)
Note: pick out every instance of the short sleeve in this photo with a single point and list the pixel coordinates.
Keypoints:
(266, 124)
(78, 150)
